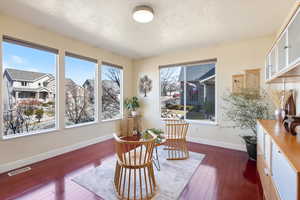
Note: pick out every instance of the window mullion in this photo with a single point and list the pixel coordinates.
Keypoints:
(98, 85)
(184, 91)
(1, 88)
(60, 89)
(111, 75)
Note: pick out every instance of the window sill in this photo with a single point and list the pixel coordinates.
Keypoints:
(80, 125)
(7, 137)
(111, 120)
(203, 122)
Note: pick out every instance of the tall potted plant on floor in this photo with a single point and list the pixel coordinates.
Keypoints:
(243, 109)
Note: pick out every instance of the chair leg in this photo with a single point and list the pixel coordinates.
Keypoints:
(140, 186)
(118, 178)
(177, 150)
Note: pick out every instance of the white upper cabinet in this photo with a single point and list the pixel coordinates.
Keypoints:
(283, 60)
(273, 61)
(282, 52)
(267, 69)
(294, 40)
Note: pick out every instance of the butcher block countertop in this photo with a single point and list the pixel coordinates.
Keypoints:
(287, 143)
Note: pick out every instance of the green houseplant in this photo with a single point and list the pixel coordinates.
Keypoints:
(159, 133)
(242, 110)
(131, 104)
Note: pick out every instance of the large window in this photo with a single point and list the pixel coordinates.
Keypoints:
(80, 95)
(188, 91)
(111, 76)
(28, 107)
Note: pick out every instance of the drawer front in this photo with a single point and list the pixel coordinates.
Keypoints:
(284, 176)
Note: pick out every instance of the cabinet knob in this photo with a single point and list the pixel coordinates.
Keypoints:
(287, 47)
(266, 171)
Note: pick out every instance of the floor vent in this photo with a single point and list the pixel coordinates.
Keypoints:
(19, 171)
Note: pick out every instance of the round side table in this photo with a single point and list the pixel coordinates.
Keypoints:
(155, 156)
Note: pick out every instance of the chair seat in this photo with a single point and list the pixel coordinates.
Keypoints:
(173, 137)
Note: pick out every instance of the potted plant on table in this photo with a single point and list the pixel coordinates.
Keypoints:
(159, 133)
(243, 109)
(131, 104)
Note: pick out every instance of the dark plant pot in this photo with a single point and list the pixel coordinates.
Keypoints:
(251, 148)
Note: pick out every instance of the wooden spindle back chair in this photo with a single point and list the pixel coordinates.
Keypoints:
(134, 174)
(175, 133)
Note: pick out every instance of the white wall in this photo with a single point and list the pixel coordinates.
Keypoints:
(14, 150)
(233, 58)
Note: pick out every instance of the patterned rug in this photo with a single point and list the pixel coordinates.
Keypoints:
(171, 179)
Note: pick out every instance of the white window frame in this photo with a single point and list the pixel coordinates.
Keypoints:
(24, 83)
(184, 66)
(121, 92)
(60, 89)
(33, 46)
(96, 93)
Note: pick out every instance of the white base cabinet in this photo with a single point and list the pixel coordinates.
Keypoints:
(278, 177)
(284, 176)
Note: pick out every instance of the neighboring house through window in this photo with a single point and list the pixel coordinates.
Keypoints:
(23, 83)
(112, 80)
(27, 107)
(80, 90)
(187, 91)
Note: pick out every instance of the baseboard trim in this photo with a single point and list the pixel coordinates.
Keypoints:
(43, 156)
(226, 145)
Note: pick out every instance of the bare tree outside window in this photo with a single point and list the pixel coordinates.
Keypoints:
(79, 91)
(170, 89)
(188, 92)
(111, 92)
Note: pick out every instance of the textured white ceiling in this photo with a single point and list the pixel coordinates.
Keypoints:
(178, 24)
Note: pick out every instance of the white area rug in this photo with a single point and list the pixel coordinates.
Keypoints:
(171, 179)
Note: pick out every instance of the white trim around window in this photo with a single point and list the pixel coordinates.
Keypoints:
(1, 87)
(52, 94)
(185, 65)
(89, 60)
(121, 91)
(60, 55)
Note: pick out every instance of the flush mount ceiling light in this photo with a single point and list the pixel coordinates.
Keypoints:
(143, 14)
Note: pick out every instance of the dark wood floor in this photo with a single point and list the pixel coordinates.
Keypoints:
(223, 174)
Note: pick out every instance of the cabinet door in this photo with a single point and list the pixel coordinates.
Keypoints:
(294, 39)
(260, 139)
(267, 68)
(284, 176)
(267, 154)
(273, 61)
(282, 52)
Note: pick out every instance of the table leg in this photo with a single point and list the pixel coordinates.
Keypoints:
(156, 159)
